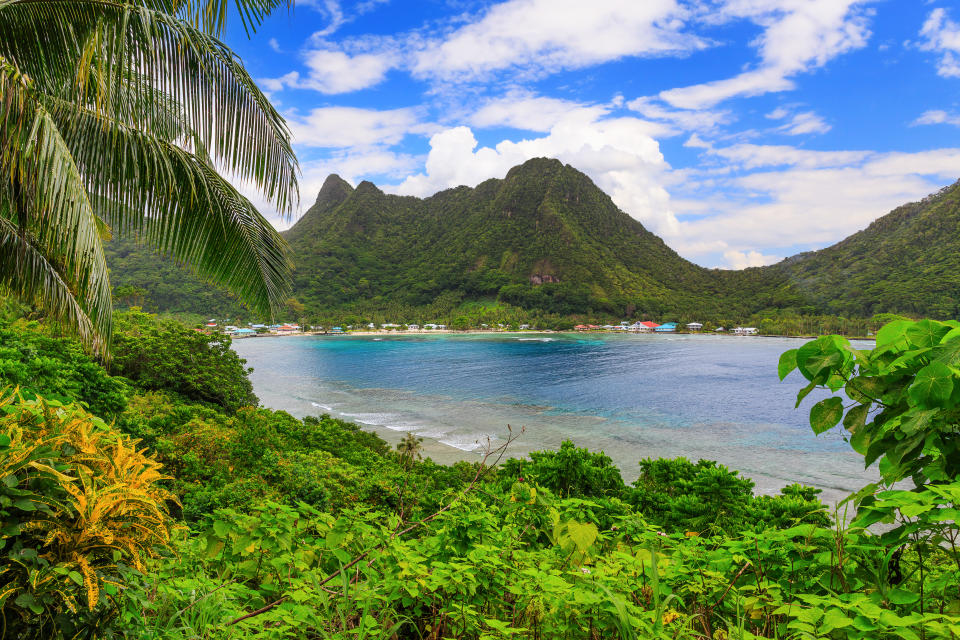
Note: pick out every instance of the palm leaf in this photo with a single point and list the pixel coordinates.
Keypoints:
(52, 253)
(77, 48)
(217, 231)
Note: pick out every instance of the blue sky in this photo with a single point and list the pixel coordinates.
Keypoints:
(740, 131)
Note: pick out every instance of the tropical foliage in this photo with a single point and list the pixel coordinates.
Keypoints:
(312, 528)
(83, 507)
(116, 119)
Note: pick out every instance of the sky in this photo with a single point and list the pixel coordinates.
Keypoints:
(740, 131)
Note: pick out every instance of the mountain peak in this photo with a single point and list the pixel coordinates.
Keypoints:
(333, 192)
(537, 167)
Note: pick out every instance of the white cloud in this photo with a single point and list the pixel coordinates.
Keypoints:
(548, 35)
(684, 119)
(744, 259)
(798, 123)
(778, 114)
(343, 127)
(274, 45)
(754, 156)
(798, 36)
(336, 15)
(619, 154)
(532, 113)
(938, 116)
(811, 199)
(806, 122)
(942, 35)
(332, 72)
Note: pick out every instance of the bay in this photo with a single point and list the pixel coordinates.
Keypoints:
(632, 396)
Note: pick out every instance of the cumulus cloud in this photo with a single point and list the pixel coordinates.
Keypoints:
(744, 259)
(937, 116)
(340, 127)
(783, 197)
(332, 72)
(619, 154)
(683, 119)
(942, 35)
(798, 35)
(531, 37)
(520, 110)
(548, 35)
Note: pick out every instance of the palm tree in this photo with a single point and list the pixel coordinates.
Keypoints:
(410, 448)
(119, 117)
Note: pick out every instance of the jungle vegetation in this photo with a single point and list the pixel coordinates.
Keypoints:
(141, 505)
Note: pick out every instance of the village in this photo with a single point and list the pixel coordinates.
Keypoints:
(286, 329)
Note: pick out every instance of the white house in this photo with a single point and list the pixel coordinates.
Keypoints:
(413, 327)
(694, 326)
(746, 331)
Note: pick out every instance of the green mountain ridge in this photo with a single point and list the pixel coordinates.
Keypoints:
(546, 238)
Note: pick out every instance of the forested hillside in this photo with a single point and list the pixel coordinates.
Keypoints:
(545, 239)
(906, 262)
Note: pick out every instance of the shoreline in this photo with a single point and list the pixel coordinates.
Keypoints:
(486, 332)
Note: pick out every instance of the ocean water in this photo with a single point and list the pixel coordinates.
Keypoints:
(631, 396)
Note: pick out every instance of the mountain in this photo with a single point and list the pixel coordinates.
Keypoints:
(546, 238)
(907, 262)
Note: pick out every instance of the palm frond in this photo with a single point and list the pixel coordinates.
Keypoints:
(52, 253)
(211, 15)
(175, 202)
(75, 48)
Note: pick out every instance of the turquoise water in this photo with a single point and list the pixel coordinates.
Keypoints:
(632, 396)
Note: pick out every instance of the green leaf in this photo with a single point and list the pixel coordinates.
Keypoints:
(826, 414)
(932, 385)
(926, 333)
(902, 596)
(788, 362)
(893, 332)
(803, 393)
(583, 535)
(864, 389)
(856, 417)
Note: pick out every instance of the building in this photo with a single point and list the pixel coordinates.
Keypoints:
(390, 325)
(337, 330)
(244, 333)
(694, 326)
(643, 327)
(745, 331)
(668, 327)
(413, 327)
(288, 328)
